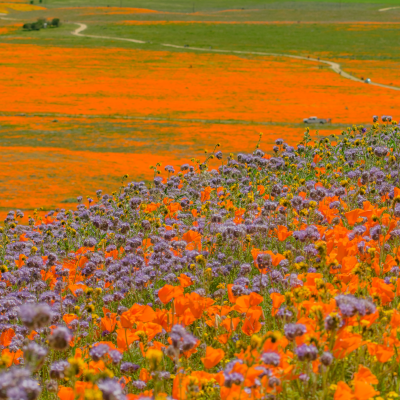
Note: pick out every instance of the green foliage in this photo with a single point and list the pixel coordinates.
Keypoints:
(42, 23)
(55, 22)
(37, 26)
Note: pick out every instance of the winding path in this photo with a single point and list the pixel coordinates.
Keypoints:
(334, 66)
(82, 27)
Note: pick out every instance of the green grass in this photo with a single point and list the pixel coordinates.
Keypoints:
(325, 40)
(296, 38)
(205, 5)
(206, 10)
(112, 135)
(300, 38)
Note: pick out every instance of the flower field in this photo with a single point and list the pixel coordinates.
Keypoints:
(17, 6)
(168, 84)
(90, 153)
(9, 29)
(110, 10)
(246, 93)
(265, 277)
(386, 72)
(203, 244)
(192, 100)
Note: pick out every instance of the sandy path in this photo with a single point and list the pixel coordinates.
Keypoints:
(334, 66)
(387, 9)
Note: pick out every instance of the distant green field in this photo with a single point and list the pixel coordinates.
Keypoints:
(188, 5)
(337, 40)
(324, 40)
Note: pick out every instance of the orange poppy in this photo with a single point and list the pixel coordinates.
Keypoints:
(205, 194)
(283, 233)
(193, 240)
(230, 324)
(109, 321)
(137, 313)
(66, 393)
(11, 357)
(232, 298)
(198, 304)
(212, 357)
(244, 303)
(277, 300)
(168, 292)
(185, 281)
(6, 337)
(346, 342)
(144, 375)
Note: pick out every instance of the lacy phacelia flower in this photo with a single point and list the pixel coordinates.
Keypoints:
(294, 330)
(307, 352)
(35, 316)
(60, 338)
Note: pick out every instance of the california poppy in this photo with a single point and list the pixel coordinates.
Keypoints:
(212, 357)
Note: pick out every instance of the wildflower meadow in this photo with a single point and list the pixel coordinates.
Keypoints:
(274, 275)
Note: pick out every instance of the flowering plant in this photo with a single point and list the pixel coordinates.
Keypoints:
(273, 276)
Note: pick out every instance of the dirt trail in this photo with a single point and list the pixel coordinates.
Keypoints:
(82, 27)
(334, 66)
(387, 9)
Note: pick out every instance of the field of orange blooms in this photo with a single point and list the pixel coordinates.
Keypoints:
(91, 153)
(6, 7)
(167, 84)
(266, 277)
(9, 29)
(386, 72)
(153, 84)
